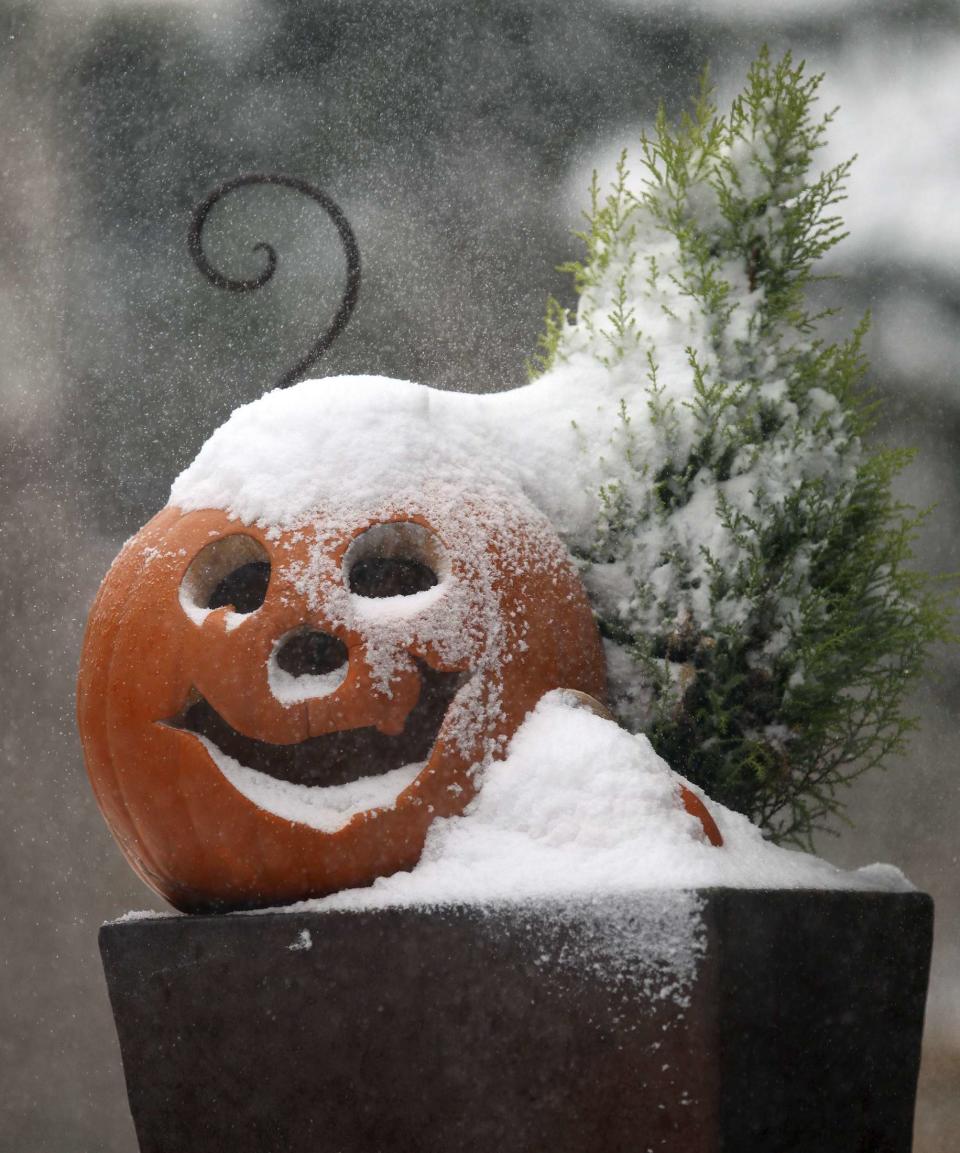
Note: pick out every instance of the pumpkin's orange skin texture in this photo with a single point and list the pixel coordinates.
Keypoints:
(186, 831)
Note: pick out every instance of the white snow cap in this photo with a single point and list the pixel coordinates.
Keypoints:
(350, 443)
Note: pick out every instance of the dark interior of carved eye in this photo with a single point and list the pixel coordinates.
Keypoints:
(233, 571)
(245, 588)
(390, 576)
(394, 560)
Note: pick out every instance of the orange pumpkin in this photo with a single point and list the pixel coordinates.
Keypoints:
(274, 715)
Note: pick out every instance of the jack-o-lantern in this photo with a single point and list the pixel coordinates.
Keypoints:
(309, 655)
(273, 713)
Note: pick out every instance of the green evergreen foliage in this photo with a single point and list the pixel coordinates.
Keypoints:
(750, 557)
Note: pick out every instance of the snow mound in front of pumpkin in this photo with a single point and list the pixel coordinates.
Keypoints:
(580, 808)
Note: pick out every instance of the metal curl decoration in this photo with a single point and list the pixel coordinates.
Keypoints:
(350, 293)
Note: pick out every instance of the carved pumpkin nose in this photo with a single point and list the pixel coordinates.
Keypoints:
(311, 654)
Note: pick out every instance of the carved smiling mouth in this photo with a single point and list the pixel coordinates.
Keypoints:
(337, 758)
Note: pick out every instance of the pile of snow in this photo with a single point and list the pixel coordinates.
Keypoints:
(580, 832)
(582, 809)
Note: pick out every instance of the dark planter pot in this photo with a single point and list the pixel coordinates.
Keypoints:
(774, 1022)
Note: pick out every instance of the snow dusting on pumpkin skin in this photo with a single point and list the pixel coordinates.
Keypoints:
(328, 458)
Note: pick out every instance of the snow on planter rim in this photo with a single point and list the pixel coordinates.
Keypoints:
(580, 832)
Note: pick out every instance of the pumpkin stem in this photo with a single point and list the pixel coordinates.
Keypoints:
(350, 293)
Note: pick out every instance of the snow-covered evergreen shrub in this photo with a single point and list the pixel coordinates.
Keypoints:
(751, 568)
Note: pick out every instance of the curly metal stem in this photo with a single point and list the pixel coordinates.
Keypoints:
(347, 238)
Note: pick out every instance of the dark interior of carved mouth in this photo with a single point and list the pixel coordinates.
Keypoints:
(335, 758)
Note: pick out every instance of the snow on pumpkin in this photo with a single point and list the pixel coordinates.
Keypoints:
(304, 659)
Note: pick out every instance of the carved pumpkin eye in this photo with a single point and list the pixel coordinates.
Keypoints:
(233, 571)
(394, 560)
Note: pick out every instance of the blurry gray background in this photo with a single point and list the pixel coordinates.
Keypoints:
(459, 139)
